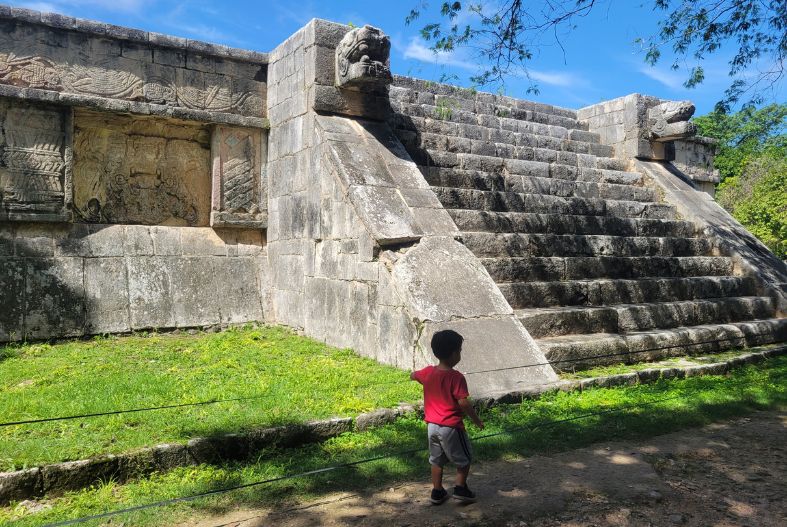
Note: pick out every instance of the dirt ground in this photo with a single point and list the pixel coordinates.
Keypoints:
(727, 474)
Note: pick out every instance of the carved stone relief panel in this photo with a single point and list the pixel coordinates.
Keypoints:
(75, 63)
(239, 196)
(33, 151)
(140, 170)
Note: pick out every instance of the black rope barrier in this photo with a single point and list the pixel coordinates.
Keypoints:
(331, 468)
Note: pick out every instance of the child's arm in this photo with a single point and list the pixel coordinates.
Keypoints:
(467, 408)
(412, 376)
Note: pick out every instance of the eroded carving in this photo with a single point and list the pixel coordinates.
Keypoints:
(140, 170)
(32, 163)
(239, 196)
(27, 64)
(670, 120)
(362, 59)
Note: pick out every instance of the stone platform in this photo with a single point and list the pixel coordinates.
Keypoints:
(148, 181)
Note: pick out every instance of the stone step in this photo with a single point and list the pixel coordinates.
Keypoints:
(532, 223)
(552, 269)
(529, 184)
(410, 130)
(519, 147)
(514, 119)
(603, 292)
(460, 198)
(410, 90)
(622, 318)
(490, 244)
(555, 165)
(577, 352)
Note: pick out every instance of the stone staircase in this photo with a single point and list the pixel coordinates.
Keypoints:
(597, 268)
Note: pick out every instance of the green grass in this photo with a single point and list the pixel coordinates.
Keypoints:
(304, 378)
(616, 369)
(692, 402)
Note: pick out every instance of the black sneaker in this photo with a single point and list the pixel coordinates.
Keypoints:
(438, 496)
(464, 494)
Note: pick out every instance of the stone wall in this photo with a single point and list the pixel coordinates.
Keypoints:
(119, 150)
(362, 253)
(73, 280)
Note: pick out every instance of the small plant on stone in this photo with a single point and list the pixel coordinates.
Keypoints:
(502, 112)
(444, 109)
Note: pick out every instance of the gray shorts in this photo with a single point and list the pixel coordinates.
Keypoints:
(449, 444)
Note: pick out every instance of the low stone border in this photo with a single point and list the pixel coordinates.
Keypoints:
(57, 478)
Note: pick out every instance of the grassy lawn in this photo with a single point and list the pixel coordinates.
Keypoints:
(692, 402)
(300, 378)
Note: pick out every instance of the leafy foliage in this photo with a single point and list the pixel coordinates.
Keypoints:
(504, 35)
(752, 162)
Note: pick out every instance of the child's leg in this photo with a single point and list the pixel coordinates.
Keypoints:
(437, 477)
(461, 475)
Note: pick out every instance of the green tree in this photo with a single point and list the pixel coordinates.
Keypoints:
(505, 33)
(752, 161)
(745, 135)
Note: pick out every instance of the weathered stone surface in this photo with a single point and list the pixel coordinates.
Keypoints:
(444, 280)
(239, 189)
(362, 59)
(32, 163)
(513, 348)
(141, 170)
(106, 296)
(20, 485)
(87, 59)
(12, 295)
(75, 475)
(54, 301)
(375, 419)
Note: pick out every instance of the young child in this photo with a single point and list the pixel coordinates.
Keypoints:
(445, 404)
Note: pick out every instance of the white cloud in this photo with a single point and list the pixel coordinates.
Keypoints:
(44, 7)
(555, 78)
(62, 6)
(669, 78)
(416, 50)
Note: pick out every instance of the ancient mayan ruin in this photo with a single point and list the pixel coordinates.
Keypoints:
(149, 181)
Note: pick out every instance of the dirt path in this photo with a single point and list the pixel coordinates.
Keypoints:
(723, 475)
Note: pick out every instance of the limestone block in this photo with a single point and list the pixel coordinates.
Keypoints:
(238, 297)
(360, 165)
(54, 297)
(137, 241)
(80, 474)
(490, 344)
(194, 288)
(22, 484)
(385, 214)
(12, 298)
(239, 195)
(442, 280)
(397, 335)
(201, 242)
(106, 296)
(149, 288)
(33, 239)
(140, 170)
(32, 164)
(166, 241)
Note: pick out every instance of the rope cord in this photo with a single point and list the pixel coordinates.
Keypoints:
(339, 466)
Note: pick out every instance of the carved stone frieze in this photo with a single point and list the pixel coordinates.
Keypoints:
(148, 171)
(27, 63)
(362, 59)
(239, 196)
(32, 161)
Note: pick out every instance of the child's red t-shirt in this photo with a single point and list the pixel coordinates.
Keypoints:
(442, 390)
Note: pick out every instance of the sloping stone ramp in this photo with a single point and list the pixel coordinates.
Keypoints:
(596, 266)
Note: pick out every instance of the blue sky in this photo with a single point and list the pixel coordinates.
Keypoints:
(600, 61)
